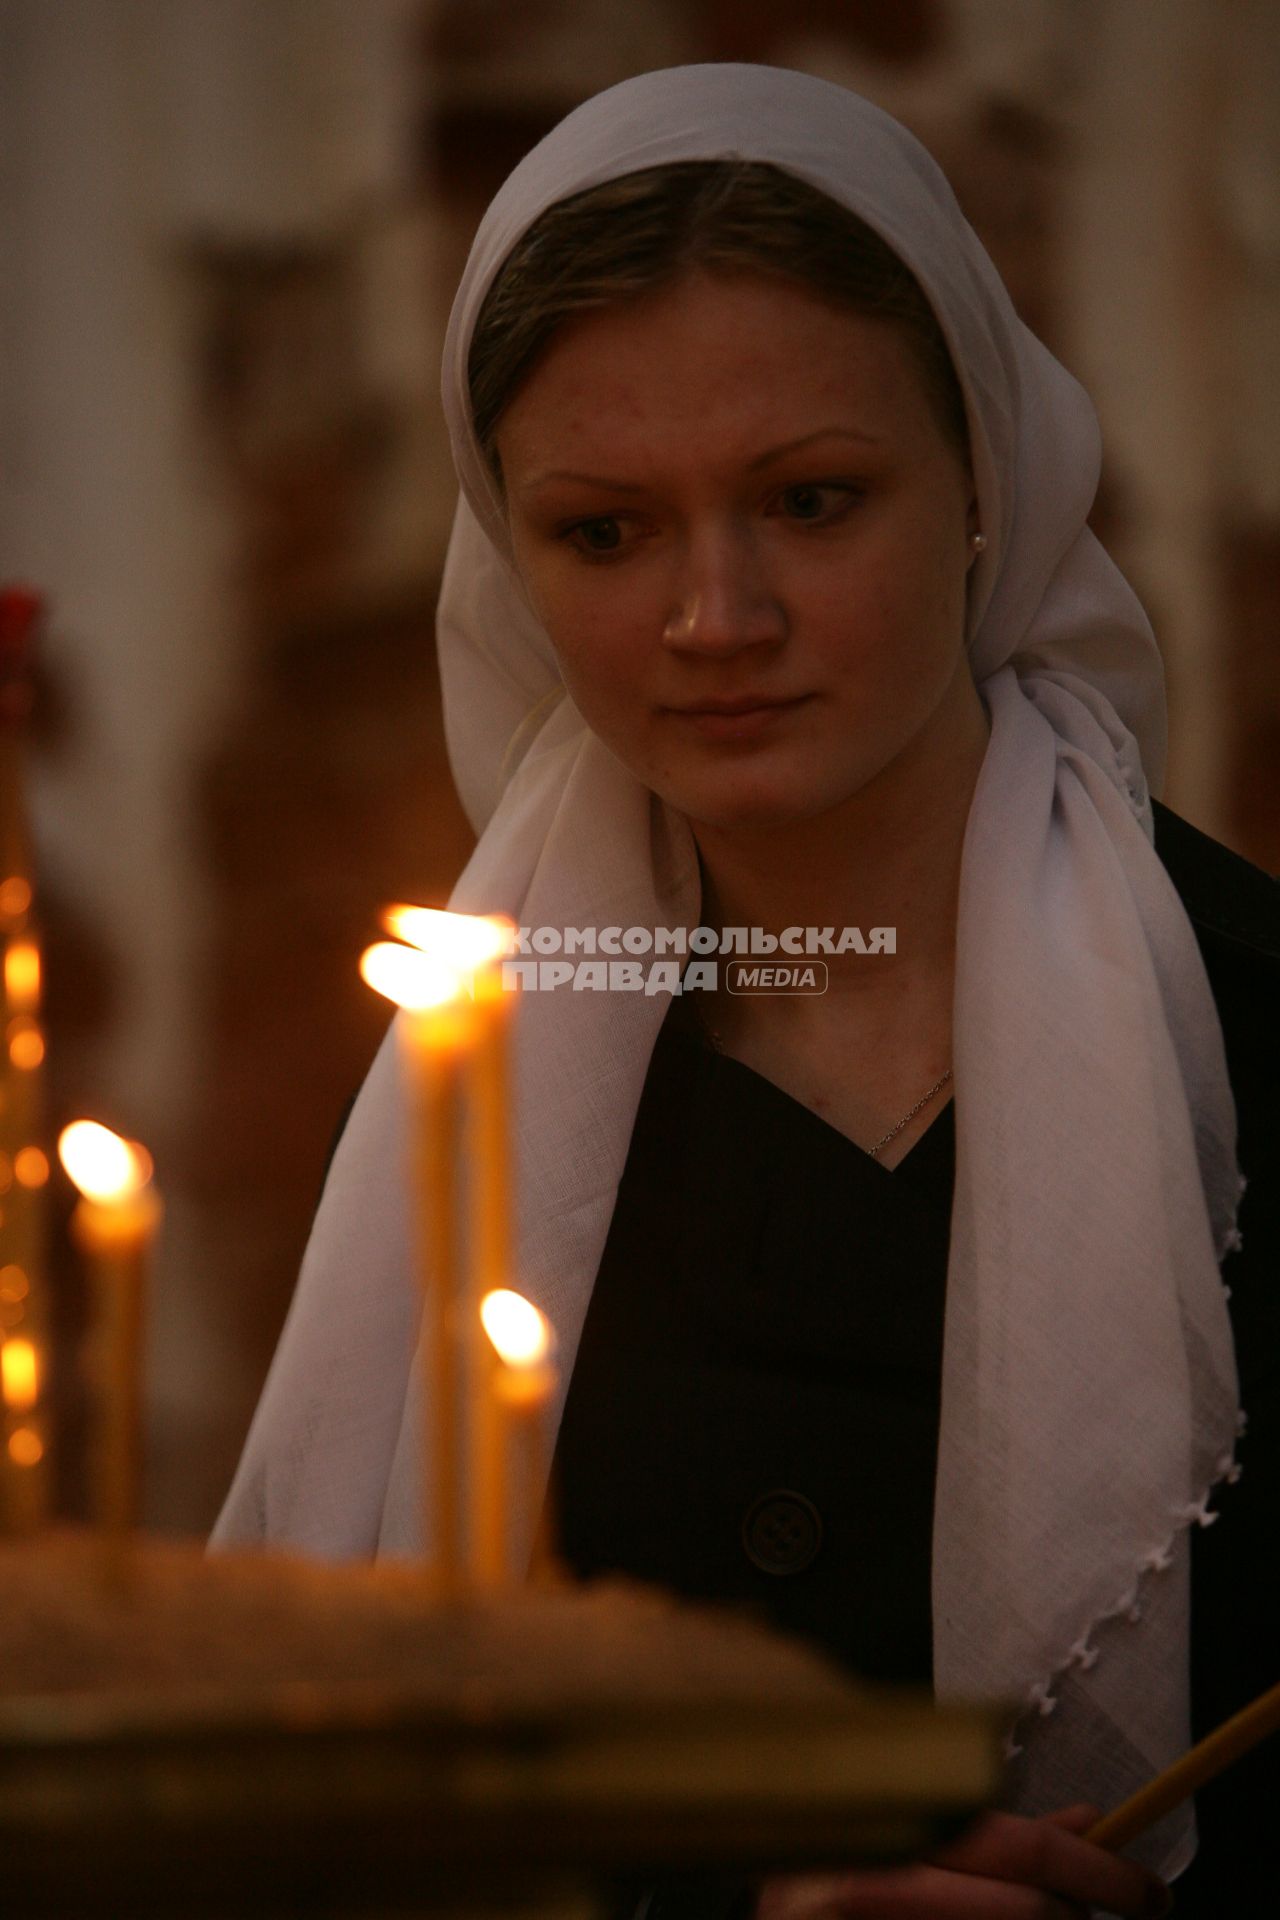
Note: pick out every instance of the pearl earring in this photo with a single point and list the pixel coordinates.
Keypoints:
(977, 541)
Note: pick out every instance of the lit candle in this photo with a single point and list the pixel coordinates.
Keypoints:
(516, 1422)
(24, 1446)
(437, 1034)
(114, 1225)
(475, 946)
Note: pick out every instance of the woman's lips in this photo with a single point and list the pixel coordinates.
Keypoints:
(740, 723)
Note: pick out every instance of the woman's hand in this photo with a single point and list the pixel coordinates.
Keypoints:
(1003, 1868)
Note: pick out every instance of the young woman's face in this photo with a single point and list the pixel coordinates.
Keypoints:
(746, 534)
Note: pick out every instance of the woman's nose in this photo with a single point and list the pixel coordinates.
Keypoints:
(722, 600)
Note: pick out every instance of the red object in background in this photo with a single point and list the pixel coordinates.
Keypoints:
(21, 609)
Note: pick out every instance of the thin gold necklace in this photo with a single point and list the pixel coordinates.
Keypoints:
(923, 1101)
(871, 1152)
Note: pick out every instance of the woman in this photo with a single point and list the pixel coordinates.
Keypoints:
(771, 605)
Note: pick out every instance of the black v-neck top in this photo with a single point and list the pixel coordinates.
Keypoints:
(766, 1322)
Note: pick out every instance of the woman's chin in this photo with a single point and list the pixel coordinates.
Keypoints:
(749, 809)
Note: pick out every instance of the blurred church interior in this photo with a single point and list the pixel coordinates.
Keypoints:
(231, 233)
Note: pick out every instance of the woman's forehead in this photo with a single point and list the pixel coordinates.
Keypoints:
(759, 362)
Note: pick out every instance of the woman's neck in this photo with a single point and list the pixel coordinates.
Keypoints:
(888, 857)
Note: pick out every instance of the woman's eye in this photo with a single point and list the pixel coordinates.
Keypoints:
(596, 539)
(810, 500)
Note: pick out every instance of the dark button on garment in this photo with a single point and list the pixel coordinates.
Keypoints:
(782, 1532)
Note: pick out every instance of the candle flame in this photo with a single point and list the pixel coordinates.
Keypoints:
(413, 980)
(22, 973)
(520, 1333)
(461, 940)
(103, 1166)
(19, 1375)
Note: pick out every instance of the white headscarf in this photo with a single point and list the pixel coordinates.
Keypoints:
(1089, 1397)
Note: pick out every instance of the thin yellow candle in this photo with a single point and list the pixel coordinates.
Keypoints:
(437, 1039)
(516, 1424)
(114, 1226)
(1260, 1720)
(495, 1195)
(476, 945)
(24, 1445)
